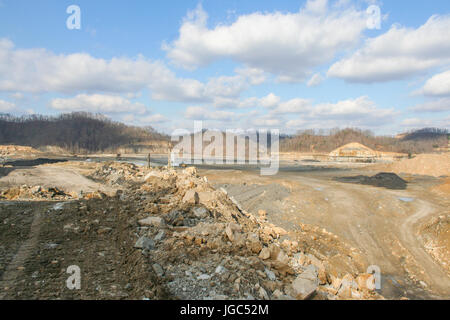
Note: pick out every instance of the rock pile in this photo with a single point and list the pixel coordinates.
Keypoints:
(202, 246)
(117, 173)
(34, 193)
(435, 235)
(40, 193)
(176, 236)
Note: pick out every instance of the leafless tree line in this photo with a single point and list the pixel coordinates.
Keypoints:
(418, 141)
(78, 132)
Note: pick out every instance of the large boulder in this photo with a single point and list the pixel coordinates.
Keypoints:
(152, 221)
(191, 196)
(145, 243)
(306, 284)
(234, 233)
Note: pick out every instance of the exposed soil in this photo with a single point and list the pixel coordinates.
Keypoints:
(382, 222)
(207, 243)
(167, 234)
(435, 165)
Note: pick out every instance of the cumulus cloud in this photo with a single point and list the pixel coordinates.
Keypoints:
(266, 122)
(315, 80)
(438, 85)
(254, 75)
(351, 109)
(300, 113)
(6, 106)
(440, 105)
(153, 119)
(269, 101)
(351, 112)
(202, 113)
(42, 71)
(285, 44)
(398, 53)
(97, 103)
(39, 70)
(296, 105)
(415, 123)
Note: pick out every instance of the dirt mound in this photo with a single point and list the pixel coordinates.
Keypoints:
(39, 193)
(424, 164)
(383, 179)
(169, 234)
(204, 247)
(117, 173)
(11, 151)
(353, 150)
(436, 237)
(443, 189)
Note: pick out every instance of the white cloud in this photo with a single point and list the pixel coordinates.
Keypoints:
(284, 44)
(266, 121)
(440, 105)
(316, 6)
(296, 123)
(351, 112)
(438, 85)
(17, 96)
(398, 53)
(225, 86)
(269, 101)
(315, 80)
(350, 109)
(97, 103)
(201, 113)
(254, 75)
(6, 106)
(41, 71)
(415, 123)
(296, 105)
(154, 118)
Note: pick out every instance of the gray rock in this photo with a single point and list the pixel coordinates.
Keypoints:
(220, 269)
(305, 284)
(158, 269)
(191, 196)
(270, 274)
(201, 212)
(144, 243)
(203, 277)
(152, 221)
(160, 235)
(263, 294)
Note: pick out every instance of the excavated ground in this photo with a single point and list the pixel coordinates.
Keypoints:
(384, 221)
(139, 233)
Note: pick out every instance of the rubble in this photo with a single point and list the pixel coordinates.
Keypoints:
(208, 248)
(35, 193)
(196, 243)
(39, 193)
(306, 283)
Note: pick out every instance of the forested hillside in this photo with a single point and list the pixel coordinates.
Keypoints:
(75, 132)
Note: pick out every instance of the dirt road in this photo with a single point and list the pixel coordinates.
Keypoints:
(64, 178)
(381, 223)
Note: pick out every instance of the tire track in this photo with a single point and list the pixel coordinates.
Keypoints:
(438, 277)
(13, 270)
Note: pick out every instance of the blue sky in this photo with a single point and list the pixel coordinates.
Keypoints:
(290, 65)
